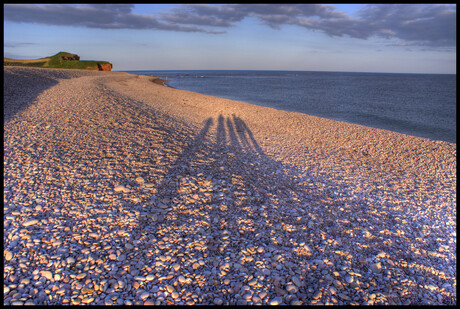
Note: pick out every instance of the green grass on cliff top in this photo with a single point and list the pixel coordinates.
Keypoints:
(55, 61)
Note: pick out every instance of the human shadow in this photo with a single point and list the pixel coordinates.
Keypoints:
(246, 137)
(225, 161)
(231, 204)
(227, 198)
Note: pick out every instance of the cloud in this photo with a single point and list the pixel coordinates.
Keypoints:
(226, 15)
(103, 16)
(205, 15)
(418, 24)
(17, 44)
(414, 24)
(120, 8)
(275, 15)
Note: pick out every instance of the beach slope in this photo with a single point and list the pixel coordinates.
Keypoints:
(119, 190)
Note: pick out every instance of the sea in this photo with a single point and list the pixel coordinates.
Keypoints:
(421, 105)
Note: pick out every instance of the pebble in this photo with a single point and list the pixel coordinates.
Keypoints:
(276, 301)
(297, 281)
(61, 291)
(121, 188)
(122, 258)
(87, 291)
(170, 288)
(292, 289)
(252, 282)
(432, 287)
(81, 276)
(257, 300)
(176, 267)
(376, 267)
(30, 222)
(8, 255)
(344, 296)
(94, 235)
(150, 277)
(332, 290)
(263, 294)
(87, 300)
(47, 274)
(317, 295)
(144, 296)
(70, 260)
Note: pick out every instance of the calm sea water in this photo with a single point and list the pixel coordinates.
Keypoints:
(416, 104)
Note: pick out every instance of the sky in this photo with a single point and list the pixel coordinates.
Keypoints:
(396, 38)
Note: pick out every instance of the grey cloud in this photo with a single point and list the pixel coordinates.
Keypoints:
(102, 16)
(121, 8)
(263, 10)
(339, 27)
(59, 14)
(17, 44)
(311, 16)
(420, 24)
(205, 15)
(225, 15)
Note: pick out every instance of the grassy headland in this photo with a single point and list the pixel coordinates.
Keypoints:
(61, 60)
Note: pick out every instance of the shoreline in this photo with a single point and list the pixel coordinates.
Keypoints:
(412, 127)
(161, 196)
(162, 82)
(360, 138)
(159, 81)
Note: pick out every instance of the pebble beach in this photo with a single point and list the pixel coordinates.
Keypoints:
(119, 190)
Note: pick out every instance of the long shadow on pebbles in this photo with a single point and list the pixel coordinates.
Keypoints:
(228, 186)
(229, 202)
(233, 209)
(21, 86)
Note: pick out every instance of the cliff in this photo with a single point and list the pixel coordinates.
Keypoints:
(61, 60)
(104, 66)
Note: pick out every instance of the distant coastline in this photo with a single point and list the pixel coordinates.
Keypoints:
(61, 60)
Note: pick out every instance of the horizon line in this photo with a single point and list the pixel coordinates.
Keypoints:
(270, 70)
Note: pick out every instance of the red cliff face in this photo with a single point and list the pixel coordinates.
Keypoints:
(104, 66)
